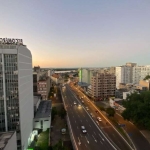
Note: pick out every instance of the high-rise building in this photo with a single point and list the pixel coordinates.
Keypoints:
(103, 85)
(16, 91)
(124, 74)
(140, 72)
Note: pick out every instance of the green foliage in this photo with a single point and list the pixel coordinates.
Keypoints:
(54, 112)
(138, 109)
(147, 77)
(62, 113)
(42, 143)
(59, 146)
(110, 111)
(101, 108)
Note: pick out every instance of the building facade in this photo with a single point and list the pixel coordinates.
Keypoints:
(140, 72)
(103, 85)
(43, 87)
(16, 92)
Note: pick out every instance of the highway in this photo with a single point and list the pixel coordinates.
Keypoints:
(104, 126)
(94, 138)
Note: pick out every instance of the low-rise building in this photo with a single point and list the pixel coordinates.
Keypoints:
(42, 119)
(8, 141)
(145, 83)
(116, 103)
(56, 78)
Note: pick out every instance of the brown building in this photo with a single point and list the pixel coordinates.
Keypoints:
(43, 87)
(103, 85)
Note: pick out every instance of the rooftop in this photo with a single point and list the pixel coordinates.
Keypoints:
(44, 109)
(4, 138)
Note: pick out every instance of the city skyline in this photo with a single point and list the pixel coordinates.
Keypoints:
(80, 34)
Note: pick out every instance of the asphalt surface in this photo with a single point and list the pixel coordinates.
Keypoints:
(138, 139)
(104, 126)
(94, 138)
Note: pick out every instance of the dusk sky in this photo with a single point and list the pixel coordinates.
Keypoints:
(80, 33)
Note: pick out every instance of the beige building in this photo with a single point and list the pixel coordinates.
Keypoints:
(145, 83)
(103, 85)
(43, 87)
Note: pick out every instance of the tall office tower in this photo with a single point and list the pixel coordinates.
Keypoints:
(16, 91)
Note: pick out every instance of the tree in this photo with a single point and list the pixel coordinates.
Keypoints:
(62, 113)
(110, 111)
(54, 112)
(138, 109)
(147, 77)
(101, 108)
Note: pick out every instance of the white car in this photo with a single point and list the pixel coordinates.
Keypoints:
(75, 103)
(83, 129)
(91, 115)
(79, 105)
(99, 119)
(87, 108)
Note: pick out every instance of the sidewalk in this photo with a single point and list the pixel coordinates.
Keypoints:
(146, 134)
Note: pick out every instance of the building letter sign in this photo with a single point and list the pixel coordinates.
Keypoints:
(11, 41)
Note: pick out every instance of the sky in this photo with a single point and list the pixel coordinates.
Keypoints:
(80, 33)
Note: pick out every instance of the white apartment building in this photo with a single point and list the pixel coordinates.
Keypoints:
(123, 75)
(85, 75)
(16, 91)
(140, 72)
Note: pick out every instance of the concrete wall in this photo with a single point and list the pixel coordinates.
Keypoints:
(46, 123)
(25, 82)
(12, 143)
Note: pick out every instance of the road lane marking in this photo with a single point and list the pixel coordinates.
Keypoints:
(101, 142)
(101, 137)
(73, 116)
(77, 127)
(94, 133)
(79, 141)
(89, 125)
(75, 121)
(85, 145)
(81, 135)
(87, 140)
(81, 120)
(94, 138)
(86, 120)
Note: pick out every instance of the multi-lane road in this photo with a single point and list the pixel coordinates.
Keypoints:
(94, 139)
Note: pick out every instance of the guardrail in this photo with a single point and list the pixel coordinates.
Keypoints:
(69, 125)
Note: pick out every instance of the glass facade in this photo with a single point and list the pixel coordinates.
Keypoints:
(11, 90)
(2, 113)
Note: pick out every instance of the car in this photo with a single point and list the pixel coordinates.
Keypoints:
(75, 103)
(97, 111)
(83, 129)
(91, 115)
(79, 105)
(87, 108)
(82, 101)
(99, 119)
